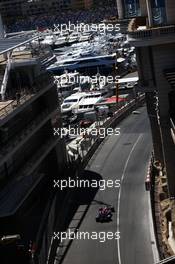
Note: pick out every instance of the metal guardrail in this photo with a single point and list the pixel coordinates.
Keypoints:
(172, 125)
(169, 260)
(83, 144)
(80, 164)
(172, 128)
(5, 79)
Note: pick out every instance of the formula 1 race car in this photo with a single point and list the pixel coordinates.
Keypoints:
(105, 214)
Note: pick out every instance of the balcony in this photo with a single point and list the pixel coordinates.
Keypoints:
(40, 83)
(139, 34)
(6, 107)
(16, 142)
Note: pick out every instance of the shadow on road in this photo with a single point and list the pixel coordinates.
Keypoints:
(75, 208)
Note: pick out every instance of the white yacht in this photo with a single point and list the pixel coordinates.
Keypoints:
(74, 37)
(78, 61)
(85, 36)
(71, 103)
(49, 40)
(67, 83)
(80, 45)
(62, 39)
(88, 102)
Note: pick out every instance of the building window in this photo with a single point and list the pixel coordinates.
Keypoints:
(158, 12)
(132, 8)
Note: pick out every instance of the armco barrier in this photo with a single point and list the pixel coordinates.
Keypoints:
(170, 260)
(111, 122)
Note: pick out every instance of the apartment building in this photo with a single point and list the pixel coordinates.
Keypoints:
(152, 32)
(30, 155)
(128, 8)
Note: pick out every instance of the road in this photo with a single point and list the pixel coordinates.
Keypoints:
(123, 157)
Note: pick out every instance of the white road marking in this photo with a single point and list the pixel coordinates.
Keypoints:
(119, 197)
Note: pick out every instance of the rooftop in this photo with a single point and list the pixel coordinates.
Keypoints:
(9, 44)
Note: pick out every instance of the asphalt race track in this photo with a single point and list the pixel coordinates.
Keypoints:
(126, 158)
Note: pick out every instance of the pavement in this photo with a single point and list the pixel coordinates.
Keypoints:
(125, 158)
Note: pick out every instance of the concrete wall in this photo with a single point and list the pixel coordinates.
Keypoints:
(147, 81)
(1, 28)
(120, 9)
(143, 8)
(144, 69)
(164, 58)
(170, 10)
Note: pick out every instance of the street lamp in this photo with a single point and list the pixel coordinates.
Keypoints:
(116, 81)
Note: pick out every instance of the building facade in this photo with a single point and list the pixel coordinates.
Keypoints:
(153, 35)
(30, 155)
(128, 8)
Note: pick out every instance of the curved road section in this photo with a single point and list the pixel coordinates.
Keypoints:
(124, 157)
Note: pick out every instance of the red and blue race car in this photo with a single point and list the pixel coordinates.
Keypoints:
(105, 214)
